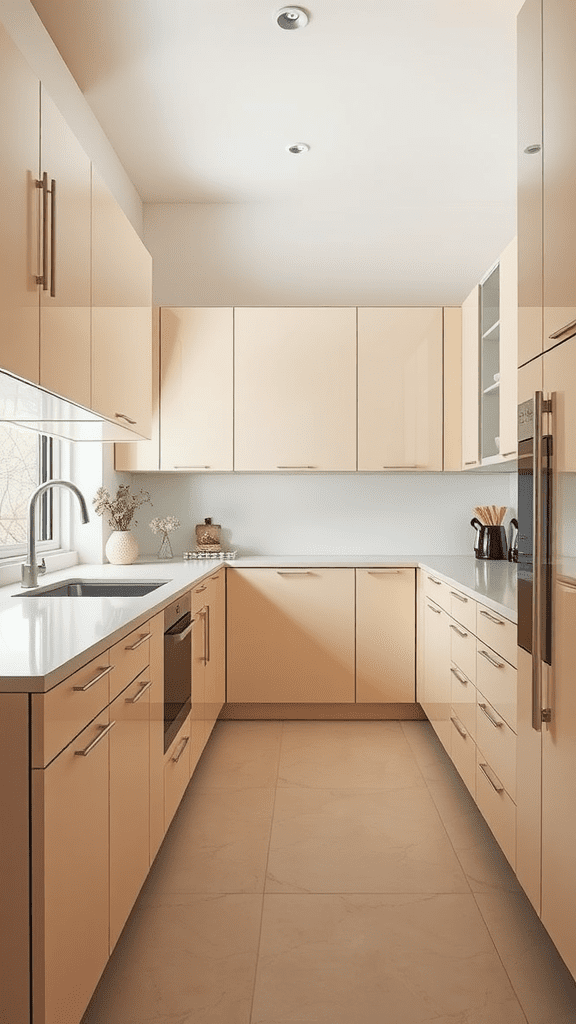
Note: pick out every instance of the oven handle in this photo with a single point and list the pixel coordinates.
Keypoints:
(179, 637)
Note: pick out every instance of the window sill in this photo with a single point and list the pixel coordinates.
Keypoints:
(10, 567)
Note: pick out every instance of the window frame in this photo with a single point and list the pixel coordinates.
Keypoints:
(49, 505)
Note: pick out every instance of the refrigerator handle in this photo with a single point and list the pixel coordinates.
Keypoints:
(537, 564)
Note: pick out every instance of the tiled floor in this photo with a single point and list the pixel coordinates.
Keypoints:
(331, 873)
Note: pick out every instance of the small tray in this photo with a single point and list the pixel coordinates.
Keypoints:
(221, 556)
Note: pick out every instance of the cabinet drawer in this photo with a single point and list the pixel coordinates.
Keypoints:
(436, 589)
(463, 699)
(463, 753)
(463, 609)
(497, 807)
(59, 715)
(498, 744)
(128, 657)
(176, 772)
(463, 650)
(496, 680)
(499, 633)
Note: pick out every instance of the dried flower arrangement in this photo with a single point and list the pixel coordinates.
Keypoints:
(165, 526)
(119, 510)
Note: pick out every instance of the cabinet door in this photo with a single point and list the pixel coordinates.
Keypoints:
(65, 302)
(295, 389)
(129, 800)
(385, 635)
(399, 389)
(121, 316)
(437, 671)
(196, 388)
(470, 380)
(70, 876)
(176, 772)
(145, 455)
(19, 209)
(215, 675)
(291, 635)
(200, 651)
(529, 181)
(559, 212)
(156, 734)
(509, 351)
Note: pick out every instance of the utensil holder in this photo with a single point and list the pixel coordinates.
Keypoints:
(491, 543)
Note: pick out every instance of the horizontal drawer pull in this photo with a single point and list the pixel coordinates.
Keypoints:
(493, 721)
(436, 611)
(382, 572)
(472, 462)
(459, 597)
(295, 467)
(513, 452)
(294, 572)
(134, 700)
(563, 330)
(123, 416)
(142, 640)
(496, 785)
(191, 467)
(87, 750)
(437, 582)
(461, 679)
(497, 664)
(459, 631)
(96, 679)
(176, 757)
(499, 622)
(459, 727)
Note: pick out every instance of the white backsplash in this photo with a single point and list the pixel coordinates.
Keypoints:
(325, 513)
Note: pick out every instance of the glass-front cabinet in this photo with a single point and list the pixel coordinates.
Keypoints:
(490, 364)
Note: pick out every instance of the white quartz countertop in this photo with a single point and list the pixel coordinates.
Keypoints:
(45, 639)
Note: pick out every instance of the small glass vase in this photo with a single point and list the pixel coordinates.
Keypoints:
(165, 550)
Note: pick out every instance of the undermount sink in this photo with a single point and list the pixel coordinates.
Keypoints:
(95, 588)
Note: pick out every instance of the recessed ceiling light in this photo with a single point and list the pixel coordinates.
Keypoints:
(291, 18)
(298, 147)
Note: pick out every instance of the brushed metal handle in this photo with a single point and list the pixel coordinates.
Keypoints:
(53, 238)
(191, 467)
(123, 416)
(493, 721)
(87, 750)
(471, 463)
(437, 582)
(497, 664)
(435, 610)
(459, 727)
(207, 627)
(179, 637)
(142, 640)
(176, 757)
(134, 700)
(539, 408)
(96, 679)
(200, 590)
(43, 277)
(414, 466)
(563, 330)
(459, 597)
(383, 572)
(459, 631)
(499, 622)
(295, 467)
(294, 572)
(461, 679)
(513, 452)
(488, 773)
(535, 148)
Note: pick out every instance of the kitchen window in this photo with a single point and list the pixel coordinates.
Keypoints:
(27, 460)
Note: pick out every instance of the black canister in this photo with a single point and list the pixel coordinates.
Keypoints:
(490, 541)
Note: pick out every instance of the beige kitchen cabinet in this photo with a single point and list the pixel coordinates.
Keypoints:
(197, 388)
(129, 799)
(70, 876)
(470, 380)
(290, 635)
(452, 389)
(156, 734)
(200, 655)
(295, 389)
(400, 377)
(508, 405)
(144, 456)
(215, 667)
(530, 180)
(121, 316)
(434, 691)
(385, 631)
(176, 771)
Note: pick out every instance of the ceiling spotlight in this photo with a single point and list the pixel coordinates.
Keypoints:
(298, 147)
(291, 17)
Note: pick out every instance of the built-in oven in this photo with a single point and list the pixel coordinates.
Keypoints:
(178, 625)
(534, 521)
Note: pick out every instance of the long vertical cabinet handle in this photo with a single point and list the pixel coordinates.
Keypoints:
(43, 277)
(53, 238)
(537, 519)
(207, 634)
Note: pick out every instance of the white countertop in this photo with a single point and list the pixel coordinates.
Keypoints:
(45, 639)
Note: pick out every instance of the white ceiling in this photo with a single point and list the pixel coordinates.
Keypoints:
(408, 105)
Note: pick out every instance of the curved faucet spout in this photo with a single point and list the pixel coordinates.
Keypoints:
(30, 570)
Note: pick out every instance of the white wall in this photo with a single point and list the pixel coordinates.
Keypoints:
(325, 514)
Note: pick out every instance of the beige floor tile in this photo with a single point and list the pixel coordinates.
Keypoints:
(379, 960)
(428, 752)
(360, 841)
(218, 843)
(542, 982)
(184, 960)
(239, 755)
(334, 755)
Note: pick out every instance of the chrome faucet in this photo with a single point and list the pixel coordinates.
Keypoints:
(30, 570)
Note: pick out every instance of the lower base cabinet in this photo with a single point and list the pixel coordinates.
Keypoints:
(385, 631)
(176, 771)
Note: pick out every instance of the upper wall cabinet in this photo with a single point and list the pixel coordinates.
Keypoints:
(196, 388)
(295, 389)
(530, 182)
(121, 316)
(399, 389)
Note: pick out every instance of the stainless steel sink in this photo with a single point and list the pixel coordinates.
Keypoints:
(95, 588)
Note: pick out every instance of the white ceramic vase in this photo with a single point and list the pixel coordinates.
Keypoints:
(121, 548)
